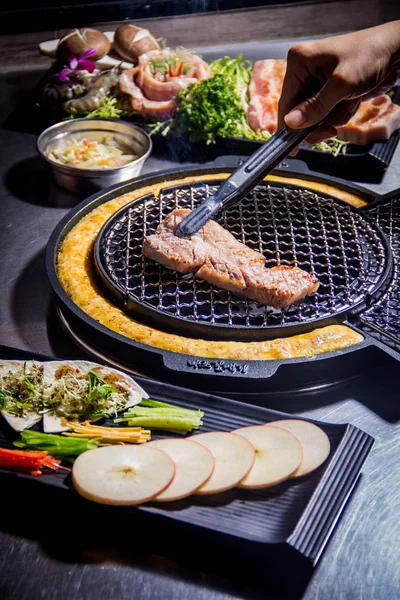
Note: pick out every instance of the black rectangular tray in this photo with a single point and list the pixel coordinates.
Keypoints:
(360, 163)
(298, 515)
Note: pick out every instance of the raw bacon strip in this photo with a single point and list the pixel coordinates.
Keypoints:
(214, 255)
(265, 90)
(374, 120)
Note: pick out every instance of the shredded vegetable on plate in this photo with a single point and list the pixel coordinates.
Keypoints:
(86, 396)
(21, 390)
(87, 154)
(108, 435)
(332, 146)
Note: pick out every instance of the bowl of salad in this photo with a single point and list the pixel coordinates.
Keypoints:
(86, 155)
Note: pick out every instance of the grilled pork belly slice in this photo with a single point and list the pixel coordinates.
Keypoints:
(265, 90)
(214, 255)
(374, 120)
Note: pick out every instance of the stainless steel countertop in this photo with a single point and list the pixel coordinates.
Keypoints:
(361, 560)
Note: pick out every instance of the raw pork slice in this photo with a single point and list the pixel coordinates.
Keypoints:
(374, 120)
(265, 90)
(214, 255)
(158, 77)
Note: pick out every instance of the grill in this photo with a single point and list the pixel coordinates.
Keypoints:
(384, 316)
(351, 252)
(289, 225)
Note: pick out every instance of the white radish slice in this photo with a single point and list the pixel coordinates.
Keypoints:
(315, 442)
(278, 456)
(194, 465)
(234, 457)
(122, 475)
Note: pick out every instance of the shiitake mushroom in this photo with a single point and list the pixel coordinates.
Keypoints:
(78, 41)
(130, 41)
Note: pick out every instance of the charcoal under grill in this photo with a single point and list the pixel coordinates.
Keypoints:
(289, 225)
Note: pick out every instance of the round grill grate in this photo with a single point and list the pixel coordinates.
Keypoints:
(290, 226)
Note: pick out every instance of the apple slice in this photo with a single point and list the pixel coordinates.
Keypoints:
(122, 475)
(278, 456)
(315, 442)
(234, 457)
(194, 465)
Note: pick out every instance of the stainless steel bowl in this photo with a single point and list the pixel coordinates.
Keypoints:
(90, 180)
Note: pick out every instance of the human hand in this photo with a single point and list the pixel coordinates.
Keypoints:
(327, 79)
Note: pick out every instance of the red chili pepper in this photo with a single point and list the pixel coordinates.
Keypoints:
(30, 453)
(27, 461)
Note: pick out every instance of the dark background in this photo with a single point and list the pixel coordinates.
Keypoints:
(24, 16)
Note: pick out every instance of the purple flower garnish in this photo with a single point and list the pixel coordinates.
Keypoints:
(76, 64)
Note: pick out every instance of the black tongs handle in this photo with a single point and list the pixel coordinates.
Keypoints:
(251, 172)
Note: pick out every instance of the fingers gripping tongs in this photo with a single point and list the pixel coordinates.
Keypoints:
(251, 172)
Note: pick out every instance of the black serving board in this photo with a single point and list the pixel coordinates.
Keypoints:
(298, 515)
(360, 163)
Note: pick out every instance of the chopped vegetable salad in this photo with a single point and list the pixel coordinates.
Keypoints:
(87, 154)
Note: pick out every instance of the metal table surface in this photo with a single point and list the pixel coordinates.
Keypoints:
(50, 548)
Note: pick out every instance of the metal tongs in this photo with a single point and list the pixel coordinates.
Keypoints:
(251, 172)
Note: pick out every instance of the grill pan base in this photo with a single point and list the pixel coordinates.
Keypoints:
(267, 379)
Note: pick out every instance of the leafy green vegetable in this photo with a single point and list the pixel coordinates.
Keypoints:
(108, 109)
(64, 448)
(216, 107)
(333, 146)
(21, 390)
(99, 391)
(3, 398)
(238, 72)
(98, 388)
(208, 109)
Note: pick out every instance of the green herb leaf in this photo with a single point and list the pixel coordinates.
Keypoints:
(107, 109)
(209, 109)
(3, 398)
(217, 106)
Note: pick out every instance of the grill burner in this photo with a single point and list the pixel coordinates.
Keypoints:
(384, 315)
(289, 225)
